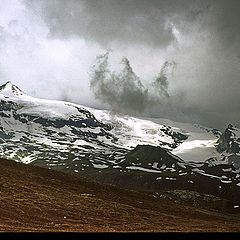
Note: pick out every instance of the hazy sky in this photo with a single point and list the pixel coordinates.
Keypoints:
(177, 59)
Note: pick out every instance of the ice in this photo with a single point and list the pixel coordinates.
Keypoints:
(133, 131)
(209, 175)
(227, 170)
(155, 164)
(99, 165)
(27, 159)
(170, 178)
(226, 181)
(199, 146)
(143, 169)
(182, 174)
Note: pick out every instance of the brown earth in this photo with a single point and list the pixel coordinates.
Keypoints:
(42, 200)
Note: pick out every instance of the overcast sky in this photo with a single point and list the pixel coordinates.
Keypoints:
(177, 59)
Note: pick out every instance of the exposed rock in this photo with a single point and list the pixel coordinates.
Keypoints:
(146, 154)
(229, 141)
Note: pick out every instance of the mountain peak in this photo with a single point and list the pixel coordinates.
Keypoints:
(9, 88)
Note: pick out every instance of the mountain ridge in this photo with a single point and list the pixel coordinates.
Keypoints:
(11, 90)
(97, 144)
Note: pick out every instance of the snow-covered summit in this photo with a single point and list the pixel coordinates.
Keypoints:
(44, 108)
(10, 90)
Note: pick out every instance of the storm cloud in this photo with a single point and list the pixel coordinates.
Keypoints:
(182, 56)
(124, 90)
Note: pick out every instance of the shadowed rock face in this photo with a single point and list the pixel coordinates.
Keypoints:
(145, 154)
(234, 160)
(229, 141)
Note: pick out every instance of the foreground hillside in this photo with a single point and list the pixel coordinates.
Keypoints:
(39, 199)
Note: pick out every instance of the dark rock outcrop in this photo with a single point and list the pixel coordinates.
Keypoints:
(228, 141)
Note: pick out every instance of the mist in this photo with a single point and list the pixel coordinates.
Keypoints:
(124, 91)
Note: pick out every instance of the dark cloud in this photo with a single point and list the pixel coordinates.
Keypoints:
(111, 22)
(160, 84)
(124, 90)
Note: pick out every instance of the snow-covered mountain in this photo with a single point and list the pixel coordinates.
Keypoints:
(81, 140)
(34, 128)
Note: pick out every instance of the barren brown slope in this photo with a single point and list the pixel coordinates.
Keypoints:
(39, 199)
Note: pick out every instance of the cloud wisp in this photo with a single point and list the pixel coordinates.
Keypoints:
(124, 91)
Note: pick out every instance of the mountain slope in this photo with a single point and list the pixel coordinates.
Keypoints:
(32, 128)
(39, 199)
(132, 153)
(67, 129)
